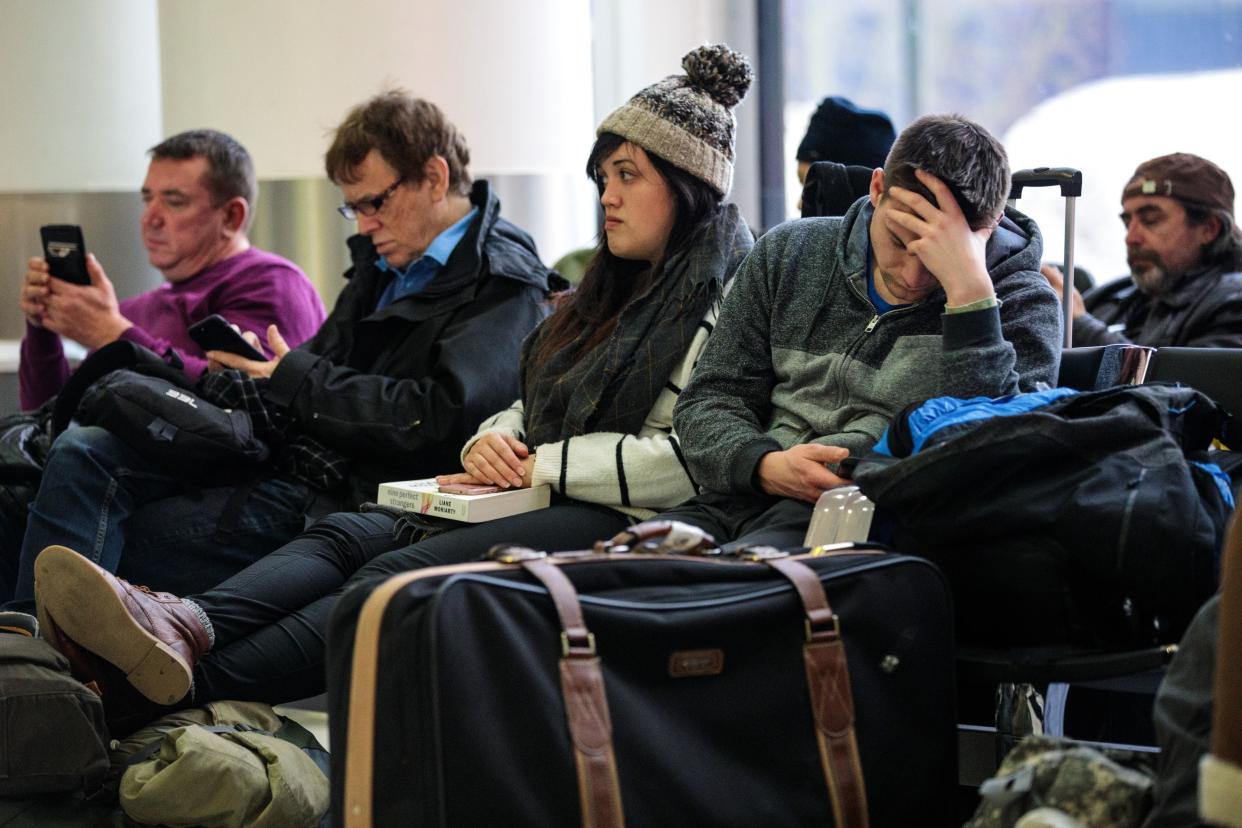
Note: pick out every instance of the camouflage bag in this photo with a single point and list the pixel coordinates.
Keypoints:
(1068, 784)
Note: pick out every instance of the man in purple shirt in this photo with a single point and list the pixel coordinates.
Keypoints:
(199, 195)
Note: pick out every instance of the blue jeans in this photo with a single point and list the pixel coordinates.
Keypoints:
(99, 498)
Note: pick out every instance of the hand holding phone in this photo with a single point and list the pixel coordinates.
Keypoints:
(65, 252)
(215, 334)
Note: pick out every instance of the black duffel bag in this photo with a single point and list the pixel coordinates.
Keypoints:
(646, 690)
(1092, 519)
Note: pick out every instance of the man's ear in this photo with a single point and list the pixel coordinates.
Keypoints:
(236, 211)
(1208, 230)
(995, 222)
(436, 177)
(877, 186)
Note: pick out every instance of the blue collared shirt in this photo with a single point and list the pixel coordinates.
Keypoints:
(419, 273)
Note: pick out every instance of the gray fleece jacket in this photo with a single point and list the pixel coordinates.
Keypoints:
(799, 354)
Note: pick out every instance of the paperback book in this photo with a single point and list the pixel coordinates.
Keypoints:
(425, 497)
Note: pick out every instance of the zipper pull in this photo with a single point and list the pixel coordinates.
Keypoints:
(875, 320)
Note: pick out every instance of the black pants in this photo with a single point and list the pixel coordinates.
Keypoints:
(746, 520)
(271, 618)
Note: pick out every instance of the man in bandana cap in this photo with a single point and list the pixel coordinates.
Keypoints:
(1184, 250)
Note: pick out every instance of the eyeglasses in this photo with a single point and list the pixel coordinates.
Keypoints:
(368, 206)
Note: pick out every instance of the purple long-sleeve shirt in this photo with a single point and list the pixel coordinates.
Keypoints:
(251, 290)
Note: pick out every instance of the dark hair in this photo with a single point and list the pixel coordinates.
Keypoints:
(407, 132)
(230, 170)
(1226, 249)
(962, 154)
(610, 282)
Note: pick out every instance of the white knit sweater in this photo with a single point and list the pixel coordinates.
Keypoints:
(638, 475)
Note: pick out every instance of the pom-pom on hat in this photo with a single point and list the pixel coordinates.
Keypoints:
(688, 119)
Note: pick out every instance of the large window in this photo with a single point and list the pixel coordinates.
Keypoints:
(1096, 84)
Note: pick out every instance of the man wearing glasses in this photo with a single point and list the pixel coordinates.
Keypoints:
(424, 340)
(423, 343)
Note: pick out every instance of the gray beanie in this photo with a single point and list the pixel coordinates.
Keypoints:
(688, 119)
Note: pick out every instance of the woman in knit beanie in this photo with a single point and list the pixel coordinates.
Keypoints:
(600, 377)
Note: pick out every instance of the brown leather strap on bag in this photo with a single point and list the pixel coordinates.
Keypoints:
(828, 679)
(361, 723)
(586, 706)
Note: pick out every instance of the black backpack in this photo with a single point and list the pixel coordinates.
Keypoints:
(173, 427)
(151, 406)
(1093, 520)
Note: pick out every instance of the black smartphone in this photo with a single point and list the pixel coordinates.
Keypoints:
(215, 334)
(65, 252)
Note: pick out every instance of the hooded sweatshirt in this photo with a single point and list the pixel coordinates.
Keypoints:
(800, 354)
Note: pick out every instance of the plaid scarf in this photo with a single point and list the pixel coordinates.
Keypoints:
(613, 387)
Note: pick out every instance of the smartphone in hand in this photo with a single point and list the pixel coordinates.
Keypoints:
(216, 334)
(65, 252)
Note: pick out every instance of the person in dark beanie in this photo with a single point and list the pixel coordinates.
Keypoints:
(1185, 253)
(842, 145)
(844, 132)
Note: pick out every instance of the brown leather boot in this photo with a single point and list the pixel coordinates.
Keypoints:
(125, 709)
(154, 638)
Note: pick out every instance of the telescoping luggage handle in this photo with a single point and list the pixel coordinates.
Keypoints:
(1070, 182)
(586, 705)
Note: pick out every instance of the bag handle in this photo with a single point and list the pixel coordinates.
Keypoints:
(832, 704)
(661, 537)
(586, 706)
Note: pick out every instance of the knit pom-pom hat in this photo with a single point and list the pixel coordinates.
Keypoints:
(688, 119)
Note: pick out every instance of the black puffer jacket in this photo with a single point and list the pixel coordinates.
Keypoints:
(398, 390)
(1204, 311)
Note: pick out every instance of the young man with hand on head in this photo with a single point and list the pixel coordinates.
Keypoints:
(929, 286)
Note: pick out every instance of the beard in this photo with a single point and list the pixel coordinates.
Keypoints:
(1151, 275)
